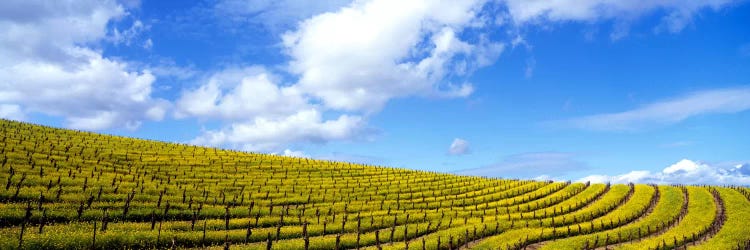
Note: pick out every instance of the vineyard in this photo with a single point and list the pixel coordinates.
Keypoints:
(65, 189)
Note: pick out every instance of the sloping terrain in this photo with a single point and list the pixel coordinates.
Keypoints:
(64, 189)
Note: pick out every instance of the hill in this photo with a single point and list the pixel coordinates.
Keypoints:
(65, 189)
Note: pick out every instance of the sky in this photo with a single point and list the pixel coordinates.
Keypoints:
(594, 90)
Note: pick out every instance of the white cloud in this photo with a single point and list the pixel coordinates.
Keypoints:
(528, 165)
(634, 176)
(351, 61)
(241, 94)
(458, 147)
(679, 14)
(343, 62)
(684, 172)
(717, 101)
(12, 112)
(685, 165)
(292, 153)
(262, 115)
(271, 134)
(48, 66)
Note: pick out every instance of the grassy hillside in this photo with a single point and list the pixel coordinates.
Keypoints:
(64, 189)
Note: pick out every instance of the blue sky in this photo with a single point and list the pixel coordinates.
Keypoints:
(655, 91)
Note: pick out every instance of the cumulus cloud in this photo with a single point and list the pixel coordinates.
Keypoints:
(270, 134)
(262, 114)
(350, 61)
(240, 93)
(49, 67)
(684, 172)
(678, 14)
(458, 147)
(716, 101)
(528, 165)
(343, 62)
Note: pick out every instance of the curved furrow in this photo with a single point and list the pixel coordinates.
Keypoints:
(654, 211)
(716, 225)
(492, 215)
(464, 192)
(498, 226)
(692, 226)
(735, 233)
(259, 230)
(449, 192)
(589, 211)
(640, 201)
(523, 236)
(568, 191)
(444, 200)
(530, 196)
(65, 212)
(428, 204)
(661, 221)
(489, 226)
(560, 195)
(285, 232)
(592, 195)
(381, 240)
(518, 192)
(589, 196)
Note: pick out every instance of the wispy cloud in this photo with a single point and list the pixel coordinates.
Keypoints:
(716, 101)
(678, 14)
(527, 165)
